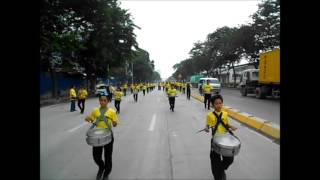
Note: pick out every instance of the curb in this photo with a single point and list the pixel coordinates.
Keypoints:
(53, 101)
(259, 124)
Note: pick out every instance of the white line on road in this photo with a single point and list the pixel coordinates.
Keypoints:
(153, 122)
(77, 127)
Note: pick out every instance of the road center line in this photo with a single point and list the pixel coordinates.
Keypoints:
(77, 127)
(153, 123)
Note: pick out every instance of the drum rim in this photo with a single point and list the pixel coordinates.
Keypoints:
(90, 132)
(226, 152)
(226, 146)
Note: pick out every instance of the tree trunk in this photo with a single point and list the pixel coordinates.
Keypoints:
(219, 73)
(234, 75)
(256, 65)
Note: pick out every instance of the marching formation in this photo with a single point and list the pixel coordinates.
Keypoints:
(103, 118)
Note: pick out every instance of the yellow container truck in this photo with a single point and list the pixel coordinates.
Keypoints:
(264, 81)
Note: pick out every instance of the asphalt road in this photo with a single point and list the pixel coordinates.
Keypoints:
(151, 142)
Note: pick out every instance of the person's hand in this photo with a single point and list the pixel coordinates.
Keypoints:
(114, 124)
(89, 119)
(206, 129)
(233, 128)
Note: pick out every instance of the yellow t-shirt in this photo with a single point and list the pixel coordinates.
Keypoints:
(212, 120)
(172, 92)
(125, 86)
(207, 89)
(111, 88)
(111, 113)
(135, 89)
(118, 95)
(72, 93)
(83, 94)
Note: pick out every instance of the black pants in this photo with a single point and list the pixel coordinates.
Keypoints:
(73, 105)
(97, 156)
(131, 91)
(124, 92)
(81, 102)
(171, 102)
(135, 97)
(218, 166)
(207, 98)
(188, 94)
(144, 92)
(110, 97)
(117, 105)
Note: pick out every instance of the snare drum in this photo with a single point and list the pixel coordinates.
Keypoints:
(226, 144)
(98, 137)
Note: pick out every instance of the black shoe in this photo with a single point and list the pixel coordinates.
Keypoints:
(99, 174)
(105, 176)
(224, 176)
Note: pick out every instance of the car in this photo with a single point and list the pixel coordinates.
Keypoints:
(101, 88)
(214, 82)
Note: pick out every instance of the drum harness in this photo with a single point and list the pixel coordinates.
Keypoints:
(218, 117)
(104, 118)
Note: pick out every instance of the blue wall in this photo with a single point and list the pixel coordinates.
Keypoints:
(64, 82)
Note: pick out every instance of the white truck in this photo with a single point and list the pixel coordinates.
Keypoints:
(214, 82)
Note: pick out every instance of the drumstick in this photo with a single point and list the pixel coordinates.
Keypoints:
(204, 129)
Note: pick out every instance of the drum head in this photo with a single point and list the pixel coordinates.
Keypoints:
(226, 140)
(96, 132)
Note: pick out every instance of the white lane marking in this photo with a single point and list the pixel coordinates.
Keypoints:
(77, 127)
(174, 134)
(153, 123)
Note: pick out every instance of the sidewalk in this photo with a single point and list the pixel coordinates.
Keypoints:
(51, 101)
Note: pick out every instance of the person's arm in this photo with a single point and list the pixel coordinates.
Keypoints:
(206, 129)
(114, 120)
(232, 127)
(90, 118)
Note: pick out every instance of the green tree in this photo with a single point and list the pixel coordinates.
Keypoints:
(143, 67)
(94, 34)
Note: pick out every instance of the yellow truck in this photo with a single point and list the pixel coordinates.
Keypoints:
(264, 81)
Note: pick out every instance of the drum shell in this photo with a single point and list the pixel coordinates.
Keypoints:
(97, 140)
(225, 150)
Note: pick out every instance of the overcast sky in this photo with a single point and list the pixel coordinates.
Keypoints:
(170, 28)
